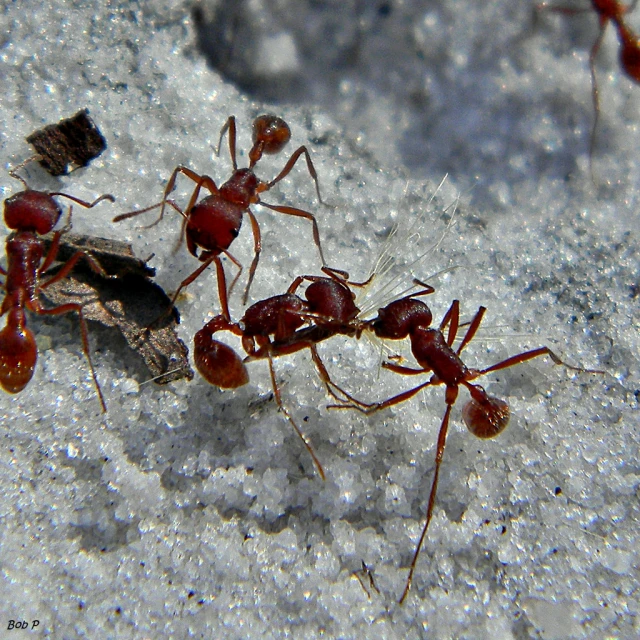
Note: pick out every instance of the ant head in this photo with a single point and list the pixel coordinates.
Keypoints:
(18, 353)
(484, 415)
(331, 299)
(31, 211)
(272, 132)
(398, 319)
(270, 135)
(218, 363)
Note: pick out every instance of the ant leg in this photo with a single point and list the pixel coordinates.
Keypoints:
(137, 212)
(229, 125)
(427, 288)
(287, 169)
(277, 396)
(257, 248)
(189, 279)
(379, 406)
(442, 439)
(292, 211)
(328, 382)
(293, 287)
(595, 94)
(201, 181)
(13, 172)
(84, 203)
(369, 572)
(471, 331)
(222, 285)
(68, 266)
(405, 371)
(529, 355)
(237, 263)
(452, 316)
(336, 274)
(341, 276)
(51, 254)
(366, 571)
(67, 308)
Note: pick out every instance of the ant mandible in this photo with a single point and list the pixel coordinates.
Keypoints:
(274, 327)
(31, 214)
(212, 224)
(629, 48)
(484, 415)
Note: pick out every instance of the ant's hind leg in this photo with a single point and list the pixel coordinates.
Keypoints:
(442, 440)
(257, 248)
(300, 213)
(84, 332)
(390, 402)
(529, 355)
(332, 388)
(283, 408)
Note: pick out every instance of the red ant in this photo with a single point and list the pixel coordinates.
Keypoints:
(31, 214)
(484, 415)
(629, 53)
(274, 327)
(212, 224)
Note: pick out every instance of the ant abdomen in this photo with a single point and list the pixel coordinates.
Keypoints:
(18, 352)
(217, 362)
(279, 316)
(332, 301)
(215, 232)
(31, 211)
(486, 419)
(398, 319)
